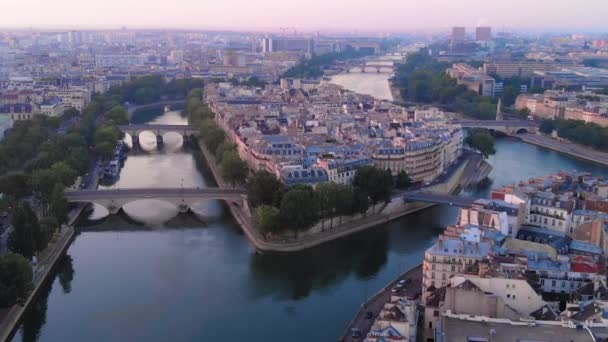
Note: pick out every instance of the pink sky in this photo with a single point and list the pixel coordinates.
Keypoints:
(363, 15)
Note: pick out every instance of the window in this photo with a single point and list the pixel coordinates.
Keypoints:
(435, 313)
(513, 297)
(553, 283)
(508, 295)
(430, 325)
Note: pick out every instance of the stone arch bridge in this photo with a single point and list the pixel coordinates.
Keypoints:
(183, 198)
(508, 127)
(134, 130)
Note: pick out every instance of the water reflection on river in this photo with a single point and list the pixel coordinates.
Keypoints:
(366, 83)
(200, 280)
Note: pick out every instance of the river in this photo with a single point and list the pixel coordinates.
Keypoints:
(197, 278)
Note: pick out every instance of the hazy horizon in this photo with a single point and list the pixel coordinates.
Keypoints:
(312, 15)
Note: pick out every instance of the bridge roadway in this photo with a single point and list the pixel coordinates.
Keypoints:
(493, 123)
(136, 129)
(506, 126)
(183, 198)
(429, 197)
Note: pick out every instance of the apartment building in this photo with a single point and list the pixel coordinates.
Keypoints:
(474, 79)
(449, 257)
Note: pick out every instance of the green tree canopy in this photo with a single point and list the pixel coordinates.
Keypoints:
(267, 219)
(377, 183)
(26, 238)
(264, 188)
(15, 279)
(482, 141)
(234, 170)
(297, 208)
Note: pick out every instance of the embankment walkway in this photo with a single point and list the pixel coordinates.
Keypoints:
(566, 147)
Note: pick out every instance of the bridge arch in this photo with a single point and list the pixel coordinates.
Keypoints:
(114, 200)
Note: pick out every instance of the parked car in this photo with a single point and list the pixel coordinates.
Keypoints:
(369, 315)
(4, 214)
(356, 333)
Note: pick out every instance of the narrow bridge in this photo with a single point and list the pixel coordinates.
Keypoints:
(509, 127)
(134, 108)
(114, 199)
(429, 197)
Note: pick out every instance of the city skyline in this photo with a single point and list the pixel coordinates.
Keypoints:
(273, 15)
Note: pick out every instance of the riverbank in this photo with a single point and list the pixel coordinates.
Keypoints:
(395, 209)
(566, 147)
(47, 260)
(376, 302)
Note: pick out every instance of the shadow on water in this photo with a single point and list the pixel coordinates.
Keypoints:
(294, 276)
(122, 222)
(363, 256)
(35, 317)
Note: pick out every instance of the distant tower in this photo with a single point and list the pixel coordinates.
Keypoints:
(499, 110)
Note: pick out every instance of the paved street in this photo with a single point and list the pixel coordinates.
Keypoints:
(377, 303)
(566, 147)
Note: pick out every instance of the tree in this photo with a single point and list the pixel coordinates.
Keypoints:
(118, 115)
(360, 202)
(42, 183)
(403, 180)
(375, 182)
(211, 134)
(63, 173)
(264, 188)
(222, 148)
(15, 184)
(482, 141)
(267, 219)
(547, 126)
(345, 198)
(15, 279)
(298, 209)
(58, 204)
(70, 113)
(325, 198)
(234, 170)
(26, 231)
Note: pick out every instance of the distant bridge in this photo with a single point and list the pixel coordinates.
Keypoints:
(509, 127)
(429, 197)
(131, 109)
(134, 130)
(114, 199)
(371, 65)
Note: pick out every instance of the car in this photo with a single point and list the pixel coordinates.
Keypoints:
(396, 289)
(402, 282)
(369, 315)
(356, 332)
(4, 214)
